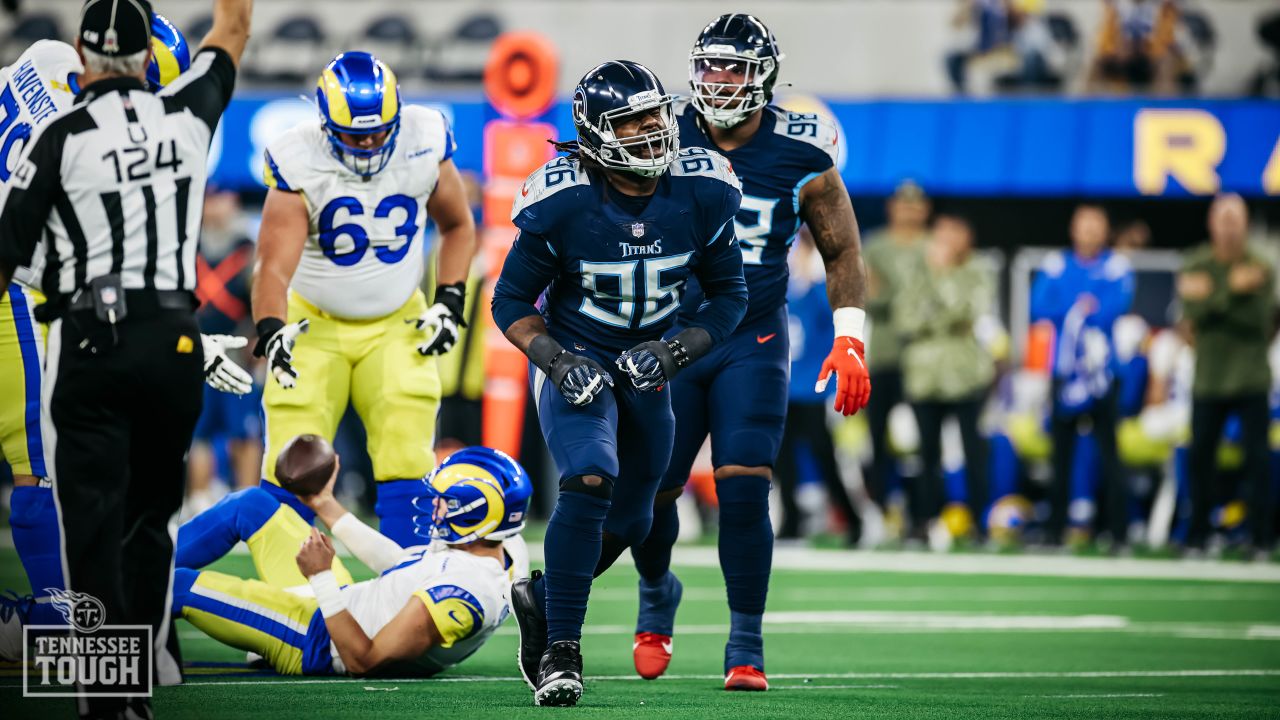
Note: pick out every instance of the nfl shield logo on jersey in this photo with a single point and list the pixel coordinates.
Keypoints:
(637, 229)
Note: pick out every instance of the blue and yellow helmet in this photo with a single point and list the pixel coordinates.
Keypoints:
(170, 54)
(476, 493)
(358, 95)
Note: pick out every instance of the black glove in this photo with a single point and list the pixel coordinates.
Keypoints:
(579, 379)
(275, 343)
(652, 364)
(442, 320)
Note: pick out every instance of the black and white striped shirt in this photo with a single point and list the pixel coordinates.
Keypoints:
(116, 184)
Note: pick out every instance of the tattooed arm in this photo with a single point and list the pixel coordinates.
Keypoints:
(825, 206)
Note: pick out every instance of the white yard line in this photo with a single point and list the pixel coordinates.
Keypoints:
(793, 558)
(1033, 675)
(1102, 695)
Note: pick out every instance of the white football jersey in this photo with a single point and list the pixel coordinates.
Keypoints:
(364, 256)
(36, 88)
(467, 596)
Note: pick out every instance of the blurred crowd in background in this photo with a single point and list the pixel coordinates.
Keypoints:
(1046, 369)
(1109, 429)
(1164, 47)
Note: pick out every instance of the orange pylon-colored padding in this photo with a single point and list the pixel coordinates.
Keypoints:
(520, 75)
(519, 81)
(1039, 354)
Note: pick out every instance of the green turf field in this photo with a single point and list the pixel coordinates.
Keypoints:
(849, 643)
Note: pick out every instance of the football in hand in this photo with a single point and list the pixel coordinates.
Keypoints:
(304, 465)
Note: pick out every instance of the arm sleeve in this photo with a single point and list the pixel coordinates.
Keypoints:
(377, 551)
(720, 275)
(530, 267)
(205, 88)
(28, 199)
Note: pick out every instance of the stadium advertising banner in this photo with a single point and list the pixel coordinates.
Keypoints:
(1104, 148)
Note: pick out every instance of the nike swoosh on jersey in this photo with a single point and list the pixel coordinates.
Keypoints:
(762, 339)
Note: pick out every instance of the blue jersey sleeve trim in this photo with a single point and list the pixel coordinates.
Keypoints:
(719, 233)
(795, 194)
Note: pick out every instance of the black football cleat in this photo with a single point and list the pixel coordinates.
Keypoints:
(531, 621)
(559, 675)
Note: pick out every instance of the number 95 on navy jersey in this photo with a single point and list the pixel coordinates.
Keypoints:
(612, 275)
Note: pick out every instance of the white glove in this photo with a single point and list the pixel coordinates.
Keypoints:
(441, 328)
(442, 320)
(279, 353)
(220, 373)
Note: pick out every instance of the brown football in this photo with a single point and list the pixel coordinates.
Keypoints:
(305, 464)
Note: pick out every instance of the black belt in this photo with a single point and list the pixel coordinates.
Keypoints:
(143, 300)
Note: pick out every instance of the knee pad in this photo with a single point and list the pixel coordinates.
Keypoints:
(576, 484)
(743, 494)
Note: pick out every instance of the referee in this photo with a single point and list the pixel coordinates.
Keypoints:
(114, 187)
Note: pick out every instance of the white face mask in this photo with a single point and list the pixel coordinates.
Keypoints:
(727, 86)
(647, 154)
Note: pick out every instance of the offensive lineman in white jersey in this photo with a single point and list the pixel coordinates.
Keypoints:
(340, 258)
(41, 84)
(429, 608)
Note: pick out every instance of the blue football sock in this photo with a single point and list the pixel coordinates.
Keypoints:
(653, 556)
(746, 554)
(211, 534)
(658, 602)
(395, 511)
(287, 498)
(746, 641)
(38, 540)
(572, 549)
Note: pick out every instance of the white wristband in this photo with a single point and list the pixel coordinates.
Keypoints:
(849, 322)
(328, 595)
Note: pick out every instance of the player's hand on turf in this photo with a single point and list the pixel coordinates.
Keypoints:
(649, 365)
(279, 352)
(220, 373)
(316, 554)
(578, 378)
(442, 320)
(853, 383)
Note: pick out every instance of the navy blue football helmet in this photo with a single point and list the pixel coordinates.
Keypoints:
(732, 69)
(613, 94)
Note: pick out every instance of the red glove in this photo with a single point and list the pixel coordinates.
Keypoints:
(853, 382)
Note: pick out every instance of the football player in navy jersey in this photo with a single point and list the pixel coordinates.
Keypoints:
(738, 393)
(609, 237)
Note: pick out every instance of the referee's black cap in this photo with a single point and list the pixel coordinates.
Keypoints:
(116, 27)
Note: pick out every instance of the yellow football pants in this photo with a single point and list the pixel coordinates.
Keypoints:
(22, 345)
(261, 615)
(374, 365)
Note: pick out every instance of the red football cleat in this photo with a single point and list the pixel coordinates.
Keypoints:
(652, 653)
(745, 677)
